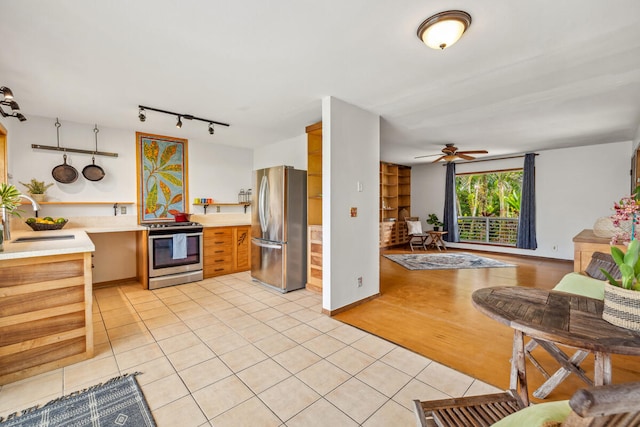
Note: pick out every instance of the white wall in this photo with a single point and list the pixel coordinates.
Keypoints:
(351, 155)
(574, 187)
(290, 152)
(215, 171)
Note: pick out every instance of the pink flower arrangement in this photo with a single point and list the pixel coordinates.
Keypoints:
(626, 209)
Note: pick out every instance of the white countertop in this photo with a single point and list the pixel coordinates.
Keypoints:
(81, 226)
(14, 250)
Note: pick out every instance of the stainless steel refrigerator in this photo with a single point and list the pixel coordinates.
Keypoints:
(279, 228)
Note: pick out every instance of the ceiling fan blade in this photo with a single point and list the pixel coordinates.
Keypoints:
(439, 158)
(464, 156)
(473, 152)
(428, 155)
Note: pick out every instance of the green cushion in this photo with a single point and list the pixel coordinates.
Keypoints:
(536, 415)
(576, 283)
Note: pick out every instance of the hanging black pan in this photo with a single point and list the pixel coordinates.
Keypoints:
(93, 172)
(64, 173)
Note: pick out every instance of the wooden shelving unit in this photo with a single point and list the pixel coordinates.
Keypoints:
(395, 203)
(314, 207)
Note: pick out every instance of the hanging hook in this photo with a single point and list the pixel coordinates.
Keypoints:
(58, 131)
(96, 130)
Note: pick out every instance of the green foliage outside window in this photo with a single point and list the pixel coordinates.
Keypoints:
(494, 194)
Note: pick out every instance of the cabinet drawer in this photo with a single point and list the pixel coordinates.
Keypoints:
(217, 236)
(217, 259)
(217, 270)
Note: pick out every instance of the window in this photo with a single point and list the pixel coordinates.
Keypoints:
(488, 205)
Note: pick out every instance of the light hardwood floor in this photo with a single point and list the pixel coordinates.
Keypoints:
(431, 313)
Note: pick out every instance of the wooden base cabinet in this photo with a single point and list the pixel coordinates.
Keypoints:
(314, 258)
(585, 244)
(45, 314)
(226, 250)
(393, 233)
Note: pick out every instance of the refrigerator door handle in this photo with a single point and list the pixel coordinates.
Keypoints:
(266, 245)
(263, 203)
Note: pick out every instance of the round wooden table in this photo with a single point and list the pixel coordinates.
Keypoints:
(550, 318)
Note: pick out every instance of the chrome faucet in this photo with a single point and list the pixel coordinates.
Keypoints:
(6, 216)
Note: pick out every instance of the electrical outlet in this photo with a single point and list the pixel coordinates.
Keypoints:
(360, 281)
(123, 210)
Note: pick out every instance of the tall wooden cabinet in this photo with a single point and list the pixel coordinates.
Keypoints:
(395, 203)
(314, 207)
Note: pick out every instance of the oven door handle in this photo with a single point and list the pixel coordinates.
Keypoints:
(170, 235)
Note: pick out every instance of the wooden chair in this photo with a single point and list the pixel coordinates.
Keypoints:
(611, 405)
(416, 237)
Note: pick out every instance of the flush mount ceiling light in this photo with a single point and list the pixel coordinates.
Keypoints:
(142, 115)
(8, 101)
(443, 29)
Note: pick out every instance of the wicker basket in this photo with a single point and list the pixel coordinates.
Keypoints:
(621, 307)
(43, 227)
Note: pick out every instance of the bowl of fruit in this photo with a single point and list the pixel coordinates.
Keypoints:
(46, 223)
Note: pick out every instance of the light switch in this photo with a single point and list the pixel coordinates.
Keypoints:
(359, 187)
(354, 212)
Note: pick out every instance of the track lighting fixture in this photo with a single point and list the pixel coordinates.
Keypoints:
(11, 103)
(6, 92)
(142, 115)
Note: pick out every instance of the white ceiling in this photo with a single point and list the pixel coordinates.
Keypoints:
(527, 75)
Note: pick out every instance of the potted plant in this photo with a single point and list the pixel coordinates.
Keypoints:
(36, 189)
(9, 202)
(622, 297)
(434, 221)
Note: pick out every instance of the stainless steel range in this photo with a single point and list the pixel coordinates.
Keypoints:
(175, 253)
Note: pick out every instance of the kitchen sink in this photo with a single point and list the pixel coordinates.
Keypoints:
(44, 238)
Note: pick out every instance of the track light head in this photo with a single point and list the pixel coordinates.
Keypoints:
(6, 92)
(142, 114)
(20, 117)
(179, 124)
(211, 130)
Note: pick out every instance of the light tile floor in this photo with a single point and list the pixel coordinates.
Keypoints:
(230, 352)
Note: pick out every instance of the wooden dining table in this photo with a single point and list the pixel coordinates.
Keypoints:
(554, 318)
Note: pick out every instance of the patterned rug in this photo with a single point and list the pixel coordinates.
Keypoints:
(448, 261)
(118, 402)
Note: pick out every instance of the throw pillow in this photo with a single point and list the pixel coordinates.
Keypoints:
(414, 227)
(537, 415)
(579, 284)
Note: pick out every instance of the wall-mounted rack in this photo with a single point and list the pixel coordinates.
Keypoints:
(217, 205)
(73, 150)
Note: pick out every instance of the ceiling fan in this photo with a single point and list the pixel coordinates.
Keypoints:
(451, 153)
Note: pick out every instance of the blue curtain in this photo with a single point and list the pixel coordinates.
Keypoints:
(527, 221)
(450, 215)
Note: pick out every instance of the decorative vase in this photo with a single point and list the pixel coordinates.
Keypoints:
(436, 228)
(38, 197)
(621, 307)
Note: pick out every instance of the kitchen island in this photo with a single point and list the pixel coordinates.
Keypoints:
(46, 302)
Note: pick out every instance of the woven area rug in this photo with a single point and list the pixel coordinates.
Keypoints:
(448, 261)
(117, 402)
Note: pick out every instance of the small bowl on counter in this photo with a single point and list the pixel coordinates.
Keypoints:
(46, 223)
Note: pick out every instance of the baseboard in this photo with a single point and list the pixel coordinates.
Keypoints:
(117, 282)
(349, 306)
